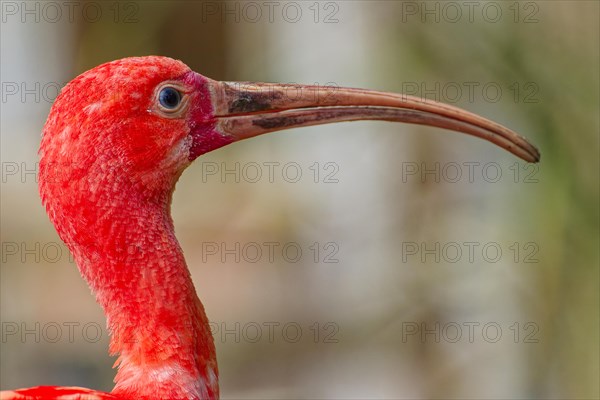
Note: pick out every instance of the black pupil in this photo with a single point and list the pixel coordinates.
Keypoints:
(169, 97)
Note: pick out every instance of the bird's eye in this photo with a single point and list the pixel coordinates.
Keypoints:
(169, 98)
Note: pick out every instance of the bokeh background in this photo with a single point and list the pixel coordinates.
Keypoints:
(402, 313)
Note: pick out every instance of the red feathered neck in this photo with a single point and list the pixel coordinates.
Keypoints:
(107, 174)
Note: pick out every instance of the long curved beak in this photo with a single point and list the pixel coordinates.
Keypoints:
(247, 109)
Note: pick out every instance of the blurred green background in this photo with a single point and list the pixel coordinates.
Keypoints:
(385, 320)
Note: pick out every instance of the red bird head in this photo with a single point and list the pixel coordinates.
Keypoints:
(146, 118)
(141, 120)
(116, 141)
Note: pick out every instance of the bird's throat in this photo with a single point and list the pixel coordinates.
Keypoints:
(158, 325)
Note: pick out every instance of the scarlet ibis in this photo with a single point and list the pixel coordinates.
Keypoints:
(115, 143)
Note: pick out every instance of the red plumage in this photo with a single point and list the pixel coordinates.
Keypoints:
(56, 393)
(109, 161)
